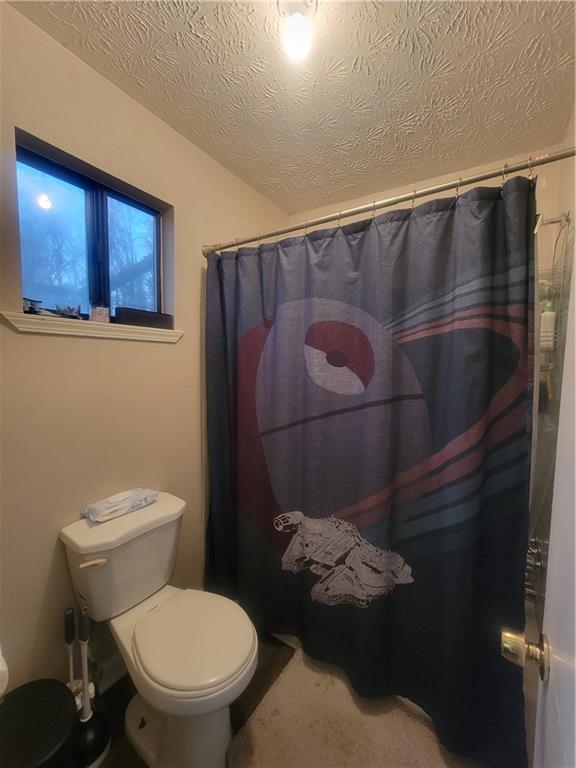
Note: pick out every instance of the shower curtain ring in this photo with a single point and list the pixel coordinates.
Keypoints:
(458, 187)
(305, 228)
(339, 217)
(503, 175)
(413, 198)
(530, 169)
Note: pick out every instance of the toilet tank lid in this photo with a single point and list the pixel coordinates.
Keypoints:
(86, 537)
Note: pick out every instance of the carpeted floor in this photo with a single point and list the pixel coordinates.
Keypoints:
(310, 718)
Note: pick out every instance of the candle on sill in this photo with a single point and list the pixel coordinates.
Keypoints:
(100, 314)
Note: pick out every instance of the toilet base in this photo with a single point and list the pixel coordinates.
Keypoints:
(169, 741)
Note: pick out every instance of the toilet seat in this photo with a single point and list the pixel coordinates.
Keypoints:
(196, 644)
(219, 690)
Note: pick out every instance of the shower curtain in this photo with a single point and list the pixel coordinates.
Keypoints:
(369, 411)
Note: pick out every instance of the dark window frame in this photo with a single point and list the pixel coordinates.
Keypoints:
(99, 186)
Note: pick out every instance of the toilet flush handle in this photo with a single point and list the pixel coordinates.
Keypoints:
(96, 563)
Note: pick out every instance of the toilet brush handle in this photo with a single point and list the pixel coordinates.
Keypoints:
(84, 635)
(84, 626)
(69, 638)
(69, 626)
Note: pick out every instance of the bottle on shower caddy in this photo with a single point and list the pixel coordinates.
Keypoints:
(548, 327)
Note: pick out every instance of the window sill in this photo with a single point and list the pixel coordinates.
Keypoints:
(63, 326)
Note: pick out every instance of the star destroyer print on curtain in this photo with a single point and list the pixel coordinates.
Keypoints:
(369, 413)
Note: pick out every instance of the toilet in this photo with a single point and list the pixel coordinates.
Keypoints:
(189, 653)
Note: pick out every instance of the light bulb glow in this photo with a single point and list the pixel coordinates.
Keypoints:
(296, 36)
(44, 201)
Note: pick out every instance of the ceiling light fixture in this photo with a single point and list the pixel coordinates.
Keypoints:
(44, 201)
(296, 26)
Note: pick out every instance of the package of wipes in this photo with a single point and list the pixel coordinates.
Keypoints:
(119, 504)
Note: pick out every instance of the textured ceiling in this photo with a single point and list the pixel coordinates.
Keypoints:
(391, 93)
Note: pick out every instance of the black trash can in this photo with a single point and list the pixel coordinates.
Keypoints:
(37, 726)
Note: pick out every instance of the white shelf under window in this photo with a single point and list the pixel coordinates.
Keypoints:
(63, 326)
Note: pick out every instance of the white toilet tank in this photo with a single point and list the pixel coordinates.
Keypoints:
(117, 564)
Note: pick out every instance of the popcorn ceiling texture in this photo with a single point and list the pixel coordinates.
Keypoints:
(392, 92)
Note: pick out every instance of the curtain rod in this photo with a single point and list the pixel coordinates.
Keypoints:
(531, 163)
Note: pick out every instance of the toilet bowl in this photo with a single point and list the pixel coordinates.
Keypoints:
(189, 653)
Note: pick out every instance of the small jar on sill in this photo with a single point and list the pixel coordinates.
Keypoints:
(100, 314)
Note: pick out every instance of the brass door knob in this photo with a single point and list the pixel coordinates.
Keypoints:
(515, 648)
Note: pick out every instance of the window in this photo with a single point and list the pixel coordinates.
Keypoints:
(86, 238)
(53, 242)
(132, 242)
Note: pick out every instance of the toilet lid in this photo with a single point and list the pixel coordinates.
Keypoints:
(195, 641)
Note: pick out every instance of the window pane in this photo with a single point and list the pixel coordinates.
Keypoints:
(53, 243)
(132, 253)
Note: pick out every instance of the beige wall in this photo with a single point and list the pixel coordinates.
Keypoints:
(555, 192)
(83, 418)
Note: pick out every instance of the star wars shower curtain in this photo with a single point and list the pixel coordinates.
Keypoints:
(369, 410)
